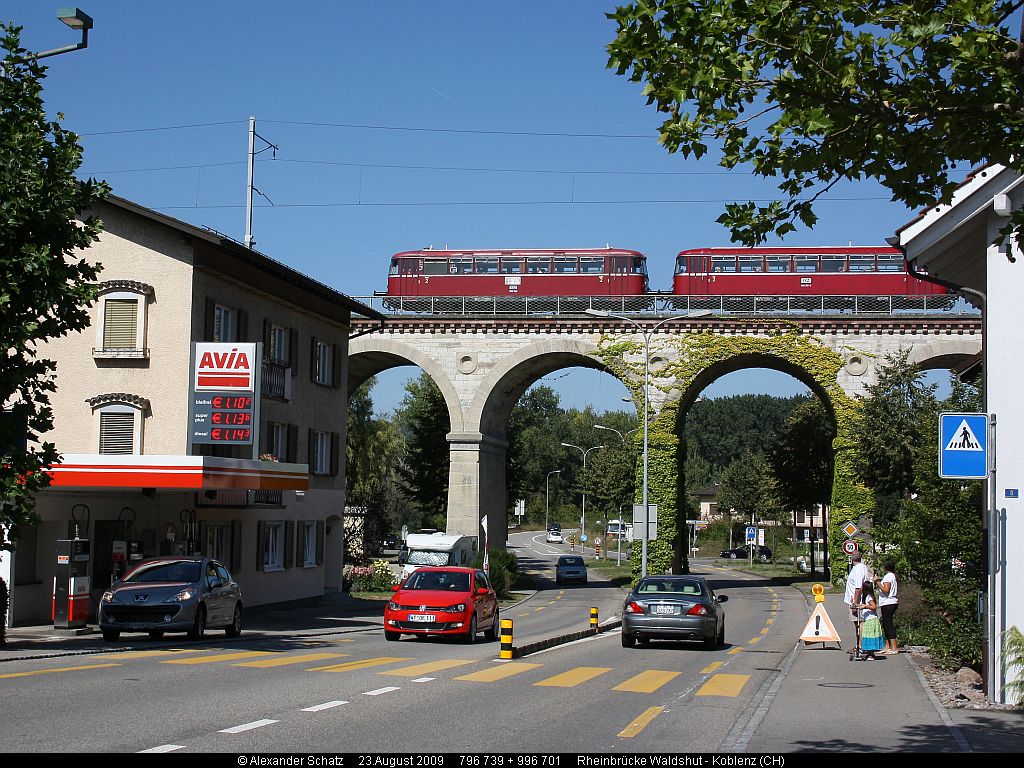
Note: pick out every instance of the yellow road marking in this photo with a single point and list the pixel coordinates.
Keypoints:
(770, 621)
(538, 609)
(647, 682)
(499, 672)
(151, 654)
(755, 639)
(641, 722)
(57, 669)
(552, 602)
(425, 669)
(764, 631)
(711, 667)
(361, 664)
(524, 614)
(284, 661)
(736, 650)
(220, 657)
(723, 685)
(574, 677)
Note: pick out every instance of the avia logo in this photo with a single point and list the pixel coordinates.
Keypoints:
(224, 366)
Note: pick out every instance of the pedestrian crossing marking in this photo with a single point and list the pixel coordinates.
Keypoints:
(711, 667)
(723, 685)
(284, 661)
(56, 669)
(361, 664)
(574, 677)
(499, 673)
(647, 682)
(152, 654)
(418, 670)
(220, 657)
(641, 722)
(964, 439)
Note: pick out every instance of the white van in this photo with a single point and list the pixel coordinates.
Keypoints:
(616, 528)
(436, 549)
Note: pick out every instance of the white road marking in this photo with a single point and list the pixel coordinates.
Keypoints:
(161, 749)
(248, 726)
(379, 691)
(321, 707)
(424, 679)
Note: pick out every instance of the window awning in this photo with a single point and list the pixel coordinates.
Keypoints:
(196, 473)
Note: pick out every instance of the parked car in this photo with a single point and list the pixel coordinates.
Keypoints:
(673, 608)
(443, 601)
(390, 543)
(555, 527)
(172, 594)
(570, 568)
(554, 537)
(762, 553)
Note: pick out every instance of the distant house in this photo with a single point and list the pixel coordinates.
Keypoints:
(707, 502)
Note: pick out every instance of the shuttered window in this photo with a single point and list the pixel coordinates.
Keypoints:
(120, 324)
(117, 432)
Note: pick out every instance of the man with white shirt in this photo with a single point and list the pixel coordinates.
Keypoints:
(854, 586)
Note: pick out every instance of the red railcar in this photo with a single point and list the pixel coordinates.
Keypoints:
(850, 271)
(518, 273)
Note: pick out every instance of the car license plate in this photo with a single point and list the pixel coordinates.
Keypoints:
(666, 610)
(134, 625)
(427, 618)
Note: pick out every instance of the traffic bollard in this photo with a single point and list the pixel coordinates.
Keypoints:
(506, 639)
(593, 619)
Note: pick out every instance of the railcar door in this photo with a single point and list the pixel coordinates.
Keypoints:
(695, 281)
(618, 275)
(408, 272)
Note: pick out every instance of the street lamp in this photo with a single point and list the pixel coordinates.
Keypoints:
(647, 382)
(547, 495)
(583, 517)
(622, 436)
(76, 19)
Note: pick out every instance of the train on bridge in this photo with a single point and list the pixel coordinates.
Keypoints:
(615, 278)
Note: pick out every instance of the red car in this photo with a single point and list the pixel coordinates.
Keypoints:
(438, 600)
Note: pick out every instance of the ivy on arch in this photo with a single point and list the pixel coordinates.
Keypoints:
(685, 357)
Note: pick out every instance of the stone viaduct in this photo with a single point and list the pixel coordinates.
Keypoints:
(483, 365)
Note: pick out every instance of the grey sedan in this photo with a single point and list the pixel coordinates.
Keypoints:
(570, 568)
(673, 608)
(172, 594)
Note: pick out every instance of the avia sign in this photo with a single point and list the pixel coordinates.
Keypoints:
(225, 367)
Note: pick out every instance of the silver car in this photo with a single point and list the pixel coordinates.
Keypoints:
(172, 594)
(673, 608)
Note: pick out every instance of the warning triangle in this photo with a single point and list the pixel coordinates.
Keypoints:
(819, 627)
(964, 439)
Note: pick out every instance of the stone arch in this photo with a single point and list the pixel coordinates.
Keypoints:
(690, 361)
(944, 353)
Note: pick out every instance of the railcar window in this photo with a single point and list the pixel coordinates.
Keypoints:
(394, 268)
(723, 263)
(639, 265)
(833, 263)
(410, 266)
(538, 265)
(698, 264)
(750, 264)
(511, 266)
(486, 266)
(565, 265)
(778, 263)
(461, 266)
(806, 263)
(435, 266)
(681, 265)
(862, 263)
(890, 263)
(592, 265)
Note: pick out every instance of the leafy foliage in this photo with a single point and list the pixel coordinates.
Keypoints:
(46, 285)
(815, 94)
(1013, 654)
(802, 457)
(504, 569)
(749, 489)
(425, 424)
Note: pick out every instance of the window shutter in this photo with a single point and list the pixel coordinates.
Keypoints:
(289, 543)
(266, 340)
(335, 451)
(320, 542)
(293, 443)
(210, 320)
(335, 366)
(120, 323)
(261, 546)
(117, 432)
(242, 333)
(268, 430)
(293, 350)
(300, 544)
(236, 547)
(201, 545)
(311, 453)
(313, 358)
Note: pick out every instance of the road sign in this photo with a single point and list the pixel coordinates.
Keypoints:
(850, 546)
(820, 628)
(963, 442)
(760, 537)
(751, 533)
(850, 529)
(583, 537)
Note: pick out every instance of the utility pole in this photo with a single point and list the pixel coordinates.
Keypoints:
(250, 187)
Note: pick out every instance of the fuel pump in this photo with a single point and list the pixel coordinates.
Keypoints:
(189, 530)
(119, 556)
(71, 579)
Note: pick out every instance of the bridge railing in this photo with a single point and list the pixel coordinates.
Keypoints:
(668, 304)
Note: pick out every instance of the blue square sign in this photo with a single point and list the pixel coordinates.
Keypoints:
(963, 446)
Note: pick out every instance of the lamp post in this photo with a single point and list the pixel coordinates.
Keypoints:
(583, 518)
(622, 435)
(547, 495)
(647, 381)
(76, 19)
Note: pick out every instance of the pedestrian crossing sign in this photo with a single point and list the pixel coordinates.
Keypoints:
(963, 439)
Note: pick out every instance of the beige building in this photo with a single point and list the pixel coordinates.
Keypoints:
(122, 419)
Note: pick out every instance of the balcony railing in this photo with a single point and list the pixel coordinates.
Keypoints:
(277, 380)
(240, 498)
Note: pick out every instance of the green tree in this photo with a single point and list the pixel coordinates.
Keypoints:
(535, 430)
(425, 425)
(815, 94)
(749, 490)
(46, 285)
(802, 459)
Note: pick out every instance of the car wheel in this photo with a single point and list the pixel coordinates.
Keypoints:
(492, 634)
(710, 643)
(391, 636)
(234, 629)
(628, 640)
(733, 556)
(156, 634)
(721, 635)
(199, 625)
(644, 641)
(470, 637)
(110, 635)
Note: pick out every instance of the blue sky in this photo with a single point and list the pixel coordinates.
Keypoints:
(455, 85)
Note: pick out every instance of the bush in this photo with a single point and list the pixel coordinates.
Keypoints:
(504, 569)
(376, 577)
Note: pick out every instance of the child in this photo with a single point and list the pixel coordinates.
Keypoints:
(871, 637)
